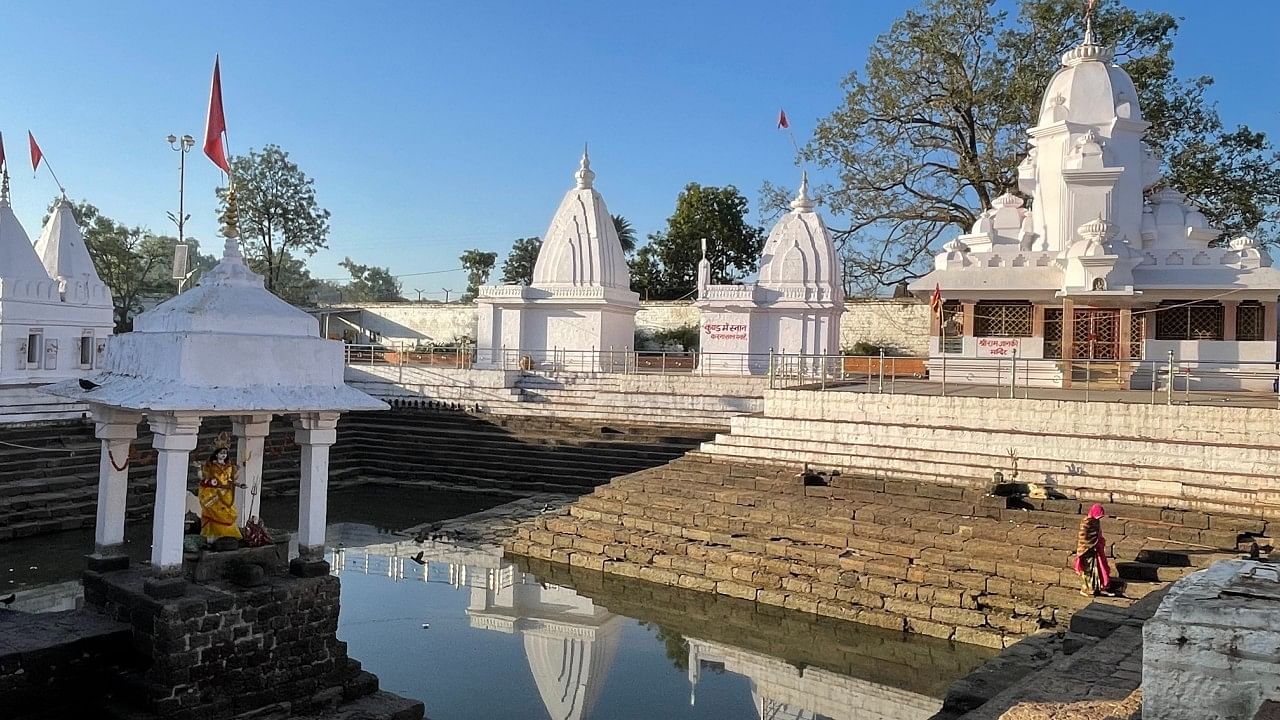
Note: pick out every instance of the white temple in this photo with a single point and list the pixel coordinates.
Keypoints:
(580, 305)
(226, 347)
(1104, 267)
(793, 307)
(55, 312)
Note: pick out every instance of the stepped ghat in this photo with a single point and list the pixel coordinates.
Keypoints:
(907, 536)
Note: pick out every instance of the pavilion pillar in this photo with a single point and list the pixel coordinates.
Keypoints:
(314, 432)
(967, 309)
(251, 432)
(1122, 349)
(1068, 339)
(1269, 321)
(117, 430)
(175, 438)
(1229, 319)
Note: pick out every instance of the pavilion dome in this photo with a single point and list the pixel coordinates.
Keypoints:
(1090, 88)
(800, 250)
(581, 247)
(62, 250)
(18, 259)
(225, 346)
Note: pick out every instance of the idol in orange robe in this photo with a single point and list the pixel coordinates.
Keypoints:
(218, 496)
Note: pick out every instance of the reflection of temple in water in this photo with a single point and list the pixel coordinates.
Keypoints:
(569, 641)
(782, 691)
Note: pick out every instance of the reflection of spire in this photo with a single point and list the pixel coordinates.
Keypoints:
(584, 175)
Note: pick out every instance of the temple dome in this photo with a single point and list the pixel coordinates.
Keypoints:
(62, 250)
(18, 259)
(1090, 88)
(800, 250)
(229, 298)
(581, 246)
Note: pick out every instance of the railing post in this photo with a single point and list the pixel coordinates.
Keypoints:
(881, 388)
(944, 374)
(1088, 377)
(1013, 375)
(1169, 390)
(893, 374)
(771, 368)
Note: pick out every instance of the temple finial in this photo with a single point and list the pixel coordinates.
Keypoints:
(1089, 8)
(230, 225)
(584, 175)
(803, 202)
(4, 184)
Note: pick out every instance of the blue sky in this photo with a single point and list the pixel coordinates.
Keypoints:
(434, 127)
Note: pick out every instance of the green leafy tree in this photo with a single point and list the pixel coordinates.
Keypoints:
(717, 214)
(294, 283)
(478, 265)
(517, 269)
(626, 233)
(646, 273)
(934, 125)
(279, 219)
(370, 284)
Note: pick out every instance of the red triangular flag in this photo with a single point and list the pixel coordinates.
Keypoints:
(36, 155)
(935, 302)
(782, 120)
(217, 123)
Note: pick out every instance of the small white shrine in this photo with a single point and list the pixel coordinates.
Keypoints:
(794, 307)
(1106, 266)
(226, 347)
(580, 307)
(55, 312)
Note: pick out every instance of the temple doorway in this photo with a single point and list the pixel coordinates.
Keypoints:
(1095, 334)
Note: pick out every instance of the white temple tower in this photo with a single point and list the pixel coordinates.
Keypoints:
(793, 308)
(1107, 275)
(51, 328)
(580, 306)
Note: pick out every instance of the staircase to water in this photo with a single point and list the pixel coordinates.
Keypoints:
(946, 561)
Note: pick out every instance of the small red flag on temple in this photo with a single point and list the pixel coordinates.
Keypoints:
(216, 126)
(36, 155)
(782, 120)
(935, 301)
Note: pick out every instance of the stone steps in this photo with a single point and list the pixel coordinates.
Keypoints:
(940, 560)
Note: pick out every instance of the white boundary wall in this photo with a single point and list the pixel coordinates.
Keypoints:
(901, 324)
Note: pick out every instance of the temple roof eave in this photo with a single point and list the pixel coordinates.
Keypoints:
(147, 394)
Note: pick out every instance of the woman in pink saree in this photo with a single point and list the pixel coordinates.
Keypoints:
(1091, 554)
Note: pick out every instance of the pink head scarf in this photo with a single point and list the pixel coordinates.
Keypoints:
(1096, 511)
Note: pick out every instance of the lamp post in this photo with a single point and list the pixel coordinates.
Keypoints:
(182, 146)
(446, 295)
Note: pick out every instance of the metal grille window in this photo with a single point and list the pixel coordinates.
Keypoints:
(952, 327)
(1249, 321)
(1137, 333)
(1197, 321)
(1002, 319)
(1053, 333)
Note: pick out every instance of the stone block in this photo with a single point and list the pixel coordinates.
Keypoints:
(976, 636)
(737, 589)
(165, 588)
(308, 568)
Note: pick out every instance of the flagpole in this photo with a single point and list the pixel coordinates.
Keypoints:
(49, 167)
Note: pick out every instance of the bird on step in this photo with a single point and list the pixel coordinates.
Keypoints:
(88, 385)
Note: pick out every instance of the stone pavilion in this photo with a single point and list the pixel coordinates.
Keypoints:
(580, 305)
(1108, 265)
(226, 347)
(55, 312)
(794, 306)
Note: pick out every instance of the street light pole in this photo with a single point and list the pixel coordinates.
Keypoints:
(182, 146)
(446, 295)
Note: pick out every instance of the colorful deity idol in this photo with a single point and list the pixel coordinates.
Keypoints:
(218, 478)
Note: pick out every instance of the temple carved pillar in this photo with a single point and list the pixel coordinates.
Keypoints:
(967, 310)
(1269, 321)
(1068, 339)
(315, 432)
(175, 437)
(117, 430)
(250, 432)
(1229, 319)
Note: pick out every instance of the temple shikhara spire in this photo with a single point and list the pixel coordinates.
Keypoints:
(1109, 263)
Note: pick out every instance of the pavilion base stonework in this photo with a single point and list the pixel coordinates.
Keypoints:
(218, 649)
